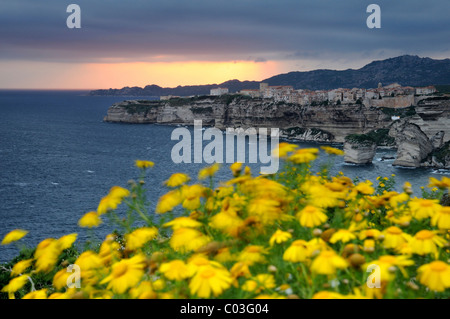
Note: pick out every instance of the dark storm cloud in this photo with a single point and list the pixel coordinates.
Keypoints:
(257, 30)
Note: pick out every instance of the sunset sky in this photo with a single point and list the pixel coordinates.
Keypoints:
(178, 42)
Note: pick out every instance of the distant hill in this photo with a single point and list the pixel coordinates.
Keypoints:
(407, 70)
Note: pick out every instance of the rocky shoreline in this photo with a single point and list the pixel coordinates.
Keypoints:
(420, 133)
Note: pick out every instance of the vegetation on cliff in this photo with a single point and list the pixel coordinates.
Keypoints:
(379, 137)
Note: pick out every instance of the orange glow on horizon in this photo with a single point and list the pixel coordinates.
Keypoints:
(47, 75)
(171, 74)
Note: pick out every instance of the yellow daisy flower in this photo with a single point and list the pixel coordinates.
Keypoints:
(311, 216)
(140, 237)
(442, 218)
(332, 150)
(210, 281)
(426, 242)
(297, 252)
(125, 274)
(435, 275)
(279, 237)
(395, 237)
(13, 236)
(208, 171)
(327, 263)
(177, 270)
(342, 235)
(177, 179)
(89, 220)
(143, 164)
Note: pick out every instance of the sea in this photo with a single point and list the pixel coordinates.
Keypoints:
(58, 158)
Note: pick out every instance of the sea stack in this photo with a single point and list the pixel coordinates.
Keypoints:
(359, 149)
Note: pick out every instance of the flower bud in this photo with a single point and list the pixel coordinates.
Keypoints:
(317, 232)
(272, 268)
(357, 260)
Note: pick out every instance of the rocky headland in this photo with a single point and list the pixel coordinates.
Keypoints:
(419, 132)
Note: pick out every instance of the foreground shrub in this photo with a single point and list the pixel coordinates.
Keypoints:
(294, 234)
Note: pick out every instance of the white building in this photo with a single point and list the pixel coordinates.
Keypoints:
(425, 90)
(218, 91)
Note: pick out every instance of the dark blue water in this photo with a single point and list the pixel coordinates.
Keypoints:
(58, 158)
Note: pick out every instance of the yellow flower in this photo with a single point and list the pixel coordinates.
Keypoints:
(109, 250)
(444, 183)
(259, 282)
(191, 196)
(13, 236)
(322, 196)
(67, 241)
(208, 171)
(442, 218)
(435, 275)
(265, 209)
(118, 192)
(279, 237)
(38, 294)
(188, 239)
(364, 188)
(143, 291)
(91, 219)
(159, 284)
(200, 260)
(394, 237)
(387, 264)
(210, 280)
(283, 149)
(327, 295)
(236, 169)
(423, 208)
(183, 222)
(125, 274)
(90, 265)
(404, 249)
(143, 164)
(332, 150)
(60, 278)
(168, 202)
(176, 270)
(241, 269)
(224, 255)
(327, 263)
(311, 216)
(46, 255)
(407, 188)
(140, 237)
(369, 233)
(297, 252)
(253, 254)
(60, 295)
(228, 221)
(14, 285)
(369, 245)
(177, 179)
(342, 235)
(426, 242)
(304, 155)
(107, 203)
(20, 267)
